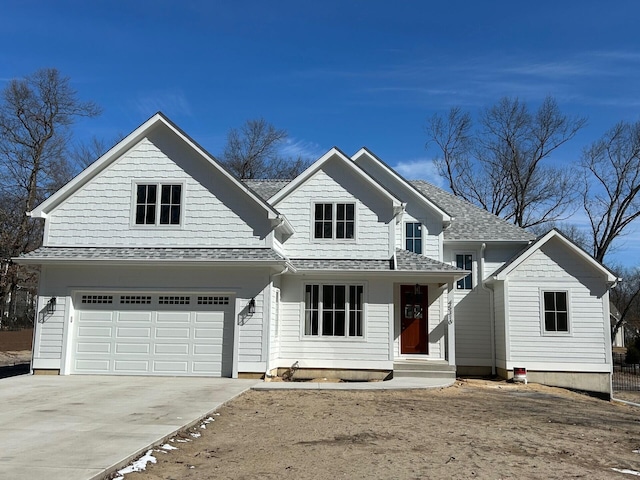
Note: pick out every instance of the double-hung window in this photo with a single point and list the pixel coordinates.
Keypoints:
(555, 311)
(158, 204)
(334, 220)
(465, 262)
(413, 237)
(333, 310)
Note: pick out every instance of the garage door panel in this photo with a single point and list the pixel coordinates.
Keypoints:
(142, 317)
(171, 349)
(212, 368)
(168, 332)
(131, 366)
(209, 349)
(210, 317)
(136, 348)
(133, 332)
(160, 366)
(98, 366)
(174, 317)
(95, 332)
(142, 335)
(208, 333)
(97, 316)
(97, 347)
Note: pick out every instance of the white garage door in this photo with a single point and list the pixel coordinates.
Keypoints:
(153, 334)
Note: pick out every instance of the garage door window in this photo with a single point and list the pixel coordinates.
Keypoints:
(86, 299)
(171, 300)
(135, 299)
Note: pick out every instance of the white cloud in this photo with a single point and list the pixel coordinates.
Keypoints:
(173, 103)
(419, 169)
(301, 148)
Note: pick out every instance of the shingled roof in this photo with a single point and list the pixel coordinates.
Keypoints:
(470, 223)
(114, 254)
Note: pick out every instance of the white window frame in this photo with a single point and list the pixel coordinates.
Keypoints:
(543, 327)
(346, 336)
(334, 220)
(405, 238)
(472, 275)
(158, 205)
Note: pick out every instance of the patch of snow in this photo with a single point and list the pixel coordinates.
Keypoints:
(203, 426)
(184, 441)
(636, 451)
(166, 446)
(195, 435)
(139, 465)
(626, 470)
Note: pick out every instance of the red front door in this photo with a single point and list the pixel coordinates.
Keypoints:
(414, 337)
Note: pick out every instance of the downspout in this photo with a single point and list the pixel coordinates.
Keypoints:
(492, 313)
(284, 270)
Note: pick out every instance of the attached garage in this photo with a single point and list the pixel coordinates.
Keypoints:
(133, 333)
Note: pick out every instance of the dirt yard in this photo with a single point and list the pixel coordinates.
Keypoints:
(475, 429)
(15, 347)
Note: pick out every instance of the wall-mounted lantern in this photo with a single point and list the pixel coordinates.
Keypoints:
(252, 306)
(51, 306)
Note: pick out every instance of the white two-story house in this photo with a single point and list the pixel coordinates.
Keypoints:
(157, 261)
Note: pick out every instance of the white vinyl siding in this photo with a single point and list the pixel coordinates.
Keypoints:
(370, 351)
(372, 214)
(102, 212)
(555, 268)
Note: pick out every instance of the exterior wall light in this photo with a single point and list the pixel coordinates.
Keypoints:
(252, 306)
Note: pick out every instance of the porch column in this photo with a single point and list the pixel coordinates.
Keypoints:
(451, 327)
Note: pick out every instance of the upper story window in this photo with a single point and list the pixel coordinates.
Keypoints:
(465, 262)
(334, 220)
(556, 312)
(158, 204)
(413, 237)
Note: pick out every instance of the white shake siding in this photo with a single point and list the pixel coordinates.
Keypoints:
(555, 268)
(371, 351)
(100, 213)
(373, 214)
(431, 229)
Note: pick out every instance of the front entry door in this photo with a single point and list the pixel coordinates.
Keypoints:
(414, 337)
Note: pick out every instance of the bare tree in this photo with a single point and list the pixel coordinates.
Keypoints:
(612, 185)
(253, 151)
(500, 165)
(36, 113)
(85, 153)
(626, 298)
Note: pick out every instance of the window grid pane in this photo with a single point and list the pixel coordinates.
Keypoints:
(465, 262)
(556, 315)
(413, 237)
(339, 306)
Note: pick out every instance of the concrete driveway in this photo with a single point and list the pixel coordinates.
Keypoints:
(80, 427)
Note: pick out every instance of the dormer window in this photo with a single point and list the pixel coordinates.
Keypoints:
(334, 220)
(158, 204)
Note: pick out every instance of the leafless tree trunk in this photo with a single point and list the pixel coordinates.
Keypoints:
(626, 298)
(500, 165)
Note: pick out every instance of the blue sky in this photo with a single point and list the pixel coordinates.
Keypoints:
(343, 73)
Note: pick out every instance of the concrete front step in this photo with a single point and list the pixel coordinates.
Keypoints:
(423, 369)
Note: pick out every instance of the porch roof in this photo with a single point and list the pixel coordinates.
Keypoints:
(403, 262)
